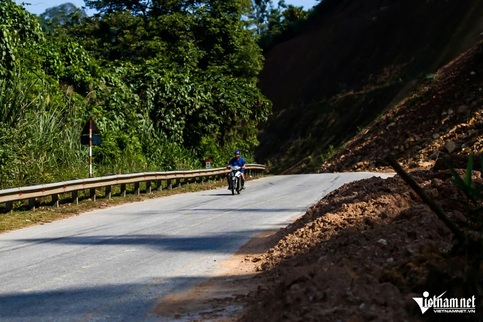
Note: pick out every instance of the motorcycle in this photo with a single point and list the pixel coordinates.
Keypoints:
(235, 180)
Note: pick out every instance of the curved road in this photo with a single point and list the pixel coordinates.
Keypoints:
(113, 264)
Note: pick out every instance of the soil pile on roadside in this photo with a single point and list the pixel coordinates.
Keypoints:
(362, 253)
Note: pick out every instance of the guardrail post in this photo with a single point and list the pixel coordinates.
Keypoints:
(137, 192)
(159, 185)
(123, 190)
(32, 203)
(9, 206)
(170, 184)
(92, 193)
(108, 192)
(148, 186)
(75, 197)
(55, 200)
(178, 183)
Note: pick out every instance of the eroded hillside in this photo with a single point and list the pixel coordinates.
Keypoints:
(367, 249)
(442, 119)
(355, 60)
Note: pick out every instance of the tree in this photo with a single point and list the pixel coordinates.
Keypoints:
(19, 29)
(61, 15)
(228, 45)
(260, 15)
(193, 64)
(145, 8)
(293, 15)
(195, 34)
(282, 21)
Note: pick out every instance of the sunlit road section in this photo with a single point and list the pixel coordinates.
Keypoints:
(113, 264)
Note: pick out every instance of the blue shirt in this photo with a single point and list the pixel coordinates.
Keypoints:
(237, 162)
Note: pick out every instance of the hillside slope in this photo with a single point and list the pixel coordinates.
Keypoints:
(367, 249)
(442, 119)
(354, 60)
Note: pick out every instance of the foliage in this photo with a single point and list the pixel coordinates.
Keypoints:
(190, 34)
(38, 134)
(260, 14)
(167, 82)
(198, 71)
(281, 23)
(472, 248)
(215, 105)
(18, 29)
(465, 184)
(69, 64)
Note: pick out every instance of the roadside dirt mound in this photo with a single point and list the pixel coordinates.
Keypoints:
(361, 254)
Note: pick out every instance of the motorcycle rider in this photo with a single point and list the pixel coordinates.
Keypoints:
(237, 161)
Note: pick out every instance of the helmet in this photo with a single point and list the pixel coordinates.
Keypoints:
(237, 152)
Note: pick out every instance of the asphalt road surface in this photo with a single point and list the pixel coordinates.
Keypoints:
(113, 264)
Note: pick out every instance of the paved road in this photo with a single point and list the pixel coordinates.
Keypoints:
(113, 264)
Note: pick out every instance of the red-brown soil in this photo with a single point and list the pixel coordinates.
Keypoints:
(361, 254)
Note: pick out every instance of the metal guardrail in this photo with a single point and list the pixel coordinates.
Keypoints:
(31, 193)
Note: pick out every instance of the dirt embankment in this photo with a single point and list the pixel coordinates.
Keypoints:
(360, 254)
(443, 118)
(354, 60)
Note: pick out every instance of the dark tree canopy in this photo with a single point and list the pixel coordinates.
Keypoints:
(196, 64)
